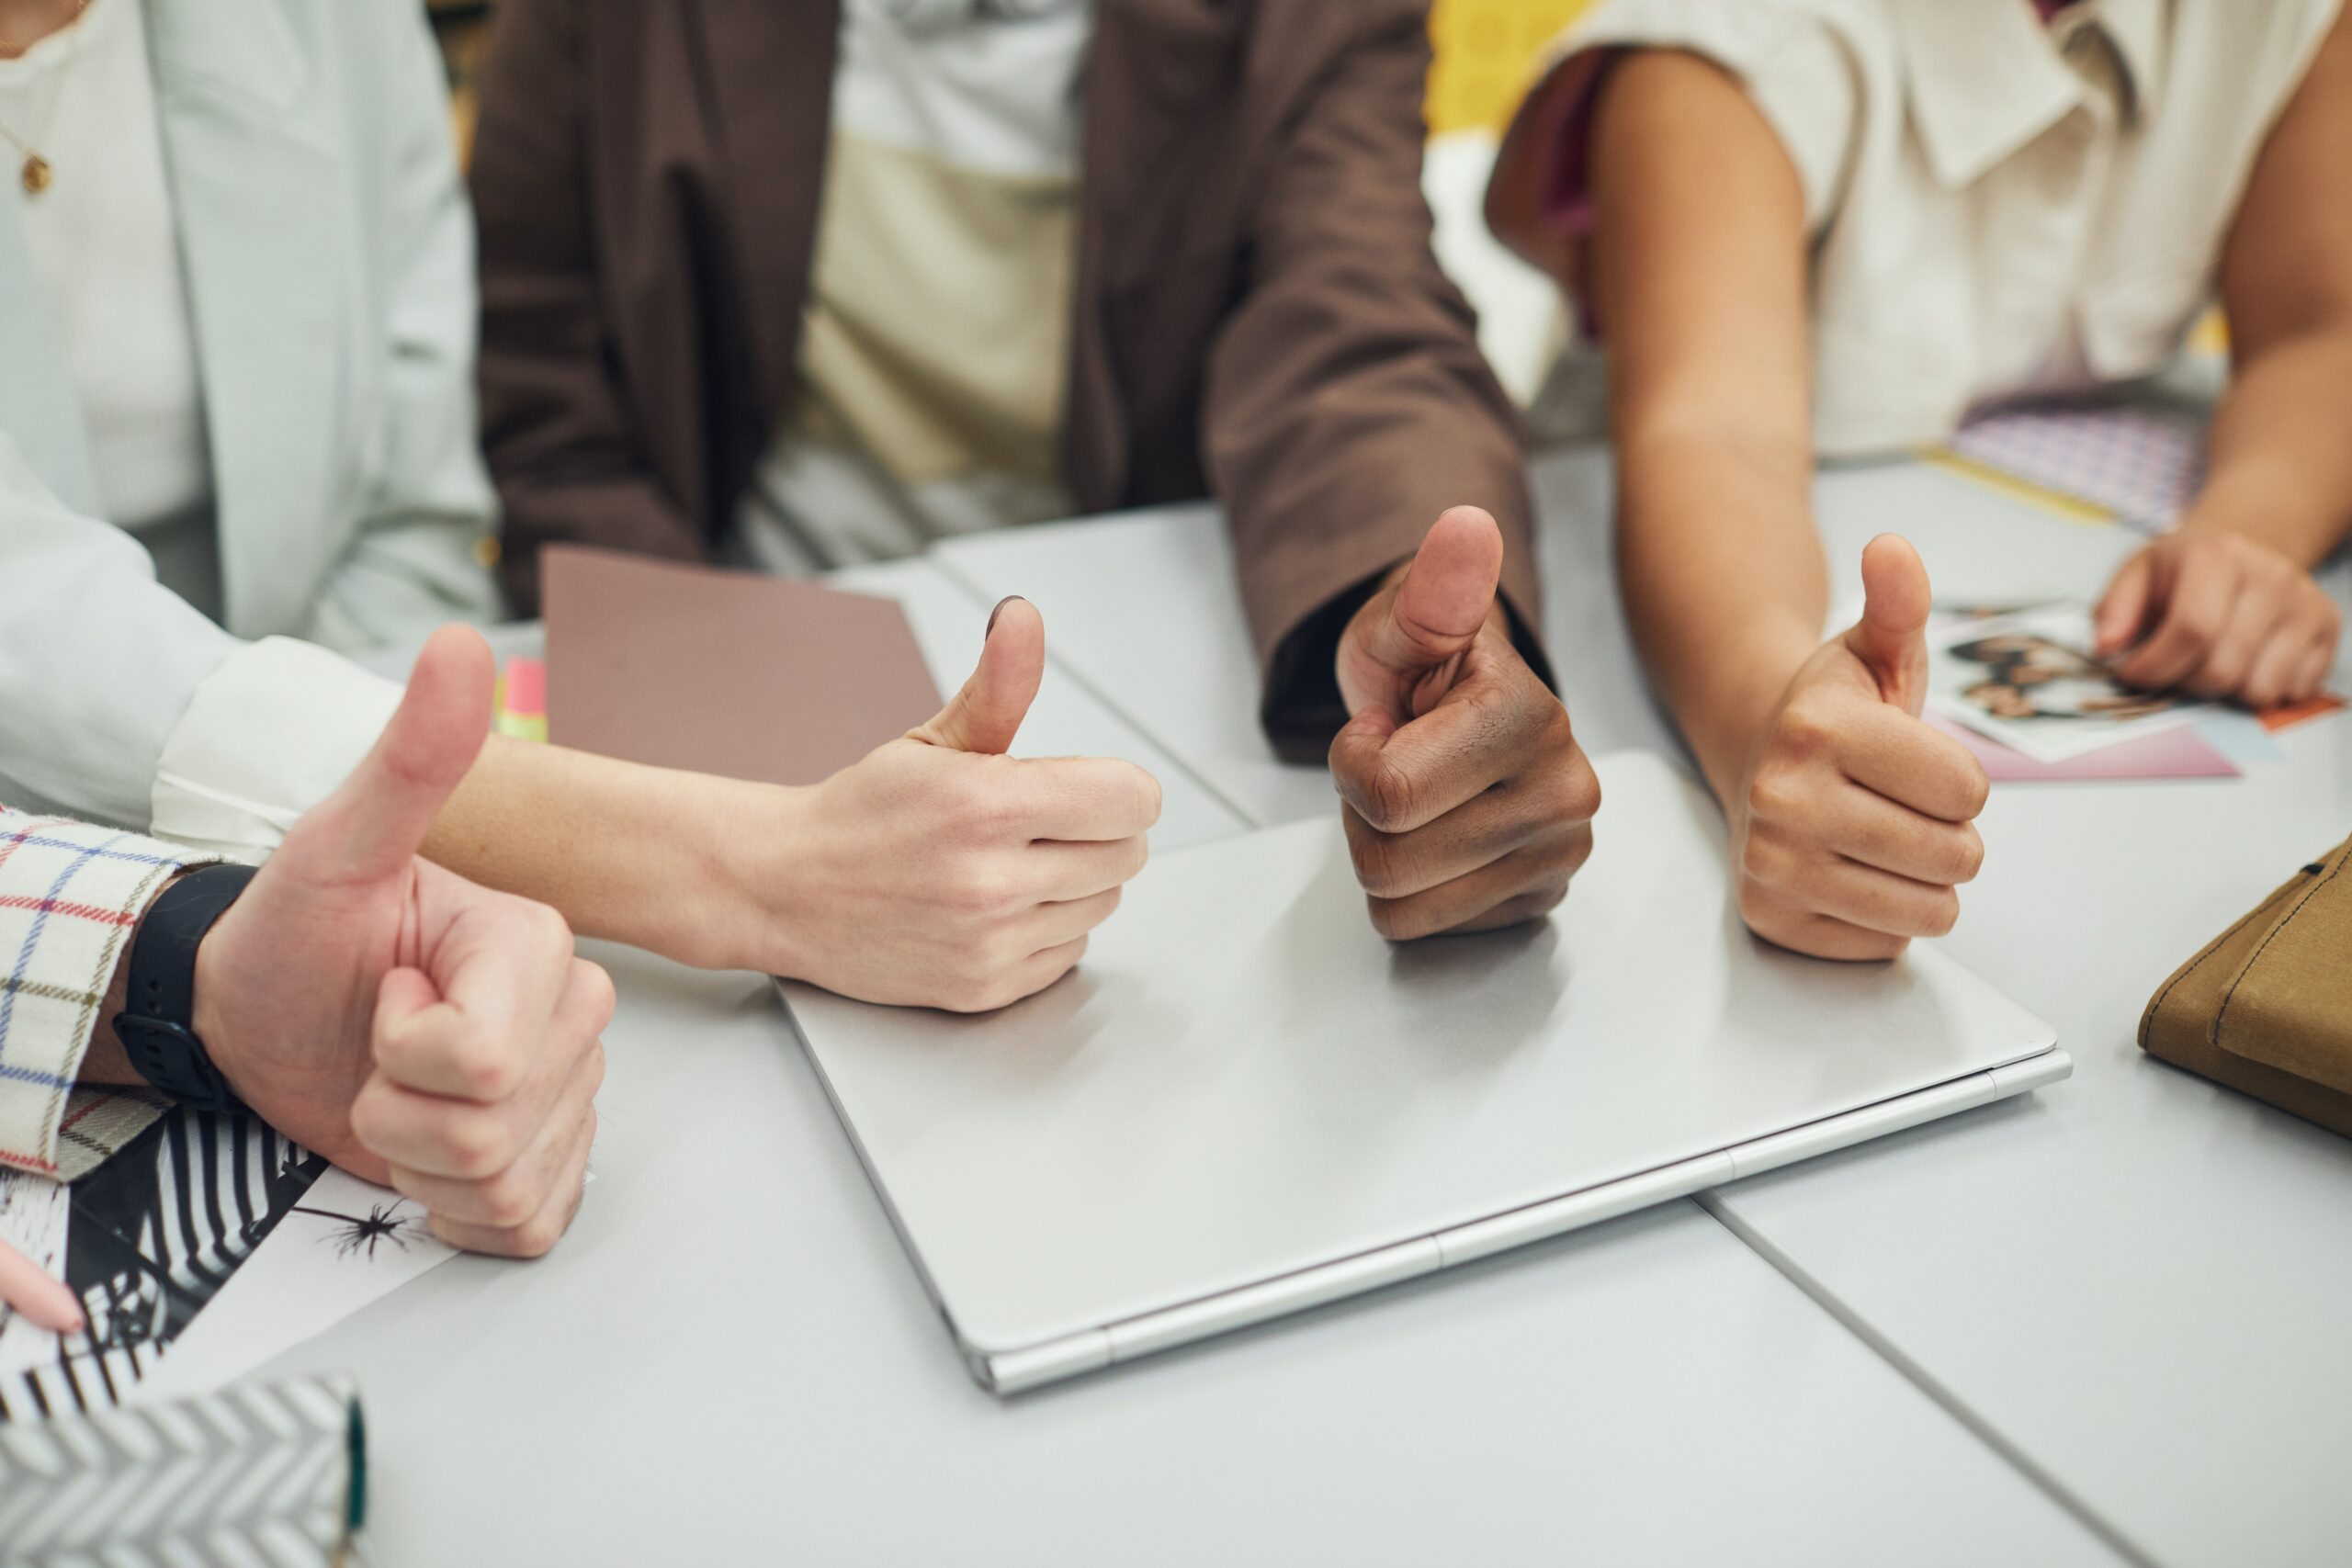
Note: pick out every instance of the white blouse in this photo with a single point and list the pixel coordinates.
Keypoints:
(1997, 206)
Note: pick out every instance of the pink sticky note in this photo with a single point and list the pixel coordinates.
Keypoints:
(2167, 754)
(526, 687)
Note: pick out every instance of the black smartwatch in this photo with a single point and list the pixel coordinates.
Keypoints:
(157, 1024)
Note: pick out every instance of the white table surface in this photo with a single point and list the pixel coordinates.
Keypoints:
(2134, 1285)
(730, 1360)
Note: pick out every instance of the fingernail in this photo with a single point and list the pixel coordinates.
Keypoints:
(995, 613)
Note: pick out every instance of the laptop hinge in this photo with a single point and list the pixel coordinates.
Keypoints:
(1009, 1371)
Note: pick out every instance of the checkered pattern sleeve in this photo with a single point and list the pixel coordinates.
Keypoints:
(70, 895)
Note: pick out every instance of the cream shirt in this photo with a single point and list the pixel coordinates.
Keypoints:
(1998, 206)
(934, 344)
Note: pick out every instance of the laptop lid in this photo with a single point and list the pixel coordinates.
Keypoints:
(1243, 1084)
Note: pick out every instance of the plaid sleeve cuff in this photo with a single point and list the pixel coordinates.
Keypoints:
(70, 895)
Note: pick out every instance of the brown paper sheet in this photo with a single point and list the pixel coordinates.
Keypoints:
(726, 672)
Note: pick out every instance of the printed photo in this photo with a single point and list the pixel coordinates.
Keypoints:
(2028, 680)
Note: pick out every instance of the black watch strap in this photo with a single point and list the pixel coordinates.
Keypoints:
(156, 1025)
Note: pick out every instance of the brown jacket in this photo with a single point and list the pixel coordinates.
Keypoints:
(1258, 311)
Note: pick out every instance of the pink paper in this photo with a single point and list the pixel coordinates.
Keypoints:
(2167, 754)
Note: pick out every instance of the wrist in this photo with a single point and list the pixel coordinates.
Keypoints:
(753, 849)
(1755, 664)
(153, 1009)
(2272, 512)
(207, 1019)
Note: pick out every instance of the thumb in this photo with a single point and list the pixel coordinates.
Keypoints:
(986, 714)
(404, 993)
(1445, 594)
(1891, 640)
(2123, 608)
(375, 823)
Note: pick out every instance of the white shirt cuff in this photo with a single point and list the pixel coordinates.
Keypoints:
(267, 736)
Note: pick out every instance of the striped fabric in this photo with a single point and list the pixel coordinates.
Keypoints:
(258, 1475)
(155, 1232)
(70, 895)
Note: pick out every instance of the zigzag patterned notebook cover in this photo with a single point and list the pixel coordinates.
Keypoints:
(258, 1474)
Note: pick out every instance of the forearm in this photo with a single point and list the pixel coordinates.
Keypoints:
(1698, 266)
(632, 853)
(1722, 579)
(2281, 469)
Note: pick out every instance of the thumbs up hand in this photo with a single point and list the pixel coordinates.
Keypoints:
(411, 1027)
(1855, 825)
(939, 871)
(1466, 800)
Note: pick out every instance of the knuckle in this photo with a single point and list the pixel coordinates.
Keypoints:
(970, 802)
(1393, 918)
(982, 889)
(508, 1202)
(1764, 914)
(2199, 623)
(1391, 798)
(543, 926)
(1539, 900)
(1579, 851)
(1581, 791)
(1773, 795)
(483, 1065)
(1970, 856)
(1375, 857)
(974, 991)
(475, 1147)
(537, 1236)
(597, 994)
(1763, 862)
(1979, 793)
(1942, 915)
(1970, 787)
(1806, 728)
(1147, 799)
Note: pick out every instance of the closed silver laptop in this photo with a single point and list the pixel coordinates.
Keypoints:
(1244, 1102)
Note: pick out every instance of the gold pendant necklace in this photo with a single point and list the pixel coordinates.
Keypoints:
(37, 173)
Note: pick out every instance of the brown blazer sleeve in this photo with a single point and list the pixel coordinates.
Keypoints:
(1347, 403)
(556, 429)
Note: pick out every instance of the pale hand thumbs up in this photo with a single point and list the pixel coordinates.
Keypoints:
(987, 713)
(1891, 640)
(1854, 828)
(938, 870)
(373, 825)
(414, 1028)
